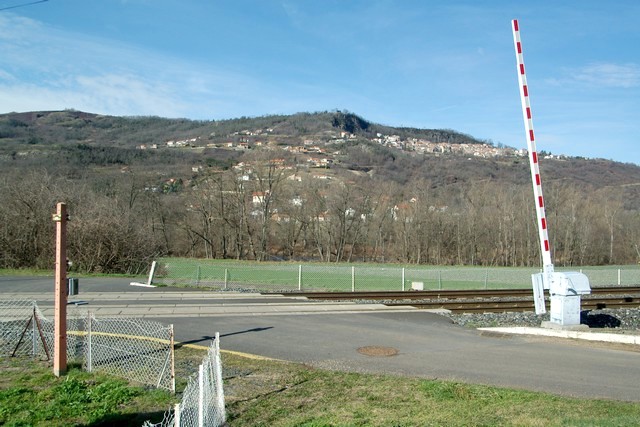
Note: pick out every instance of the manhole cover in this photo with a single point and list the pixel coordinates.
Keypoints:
(378, 351)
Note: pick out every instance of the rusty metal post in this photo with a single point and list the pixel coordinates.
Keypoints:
(60, 297)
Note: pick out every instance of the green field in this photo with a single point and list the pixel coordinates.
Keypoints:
(290, 276)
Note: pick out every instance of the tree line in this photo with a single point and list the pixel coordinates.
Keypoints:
(268, 210)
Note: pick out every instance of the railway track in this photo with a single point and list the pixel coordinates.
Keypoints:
(500, 306)
(482, 301)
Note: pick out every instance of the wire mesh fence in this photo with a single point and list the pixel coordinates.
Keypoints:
(25, 331)
(284, 276)
(131, 348)
(21, 328)
(203, 399)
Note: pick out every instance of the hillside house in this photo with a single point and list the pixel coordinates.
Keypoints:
(257, 197)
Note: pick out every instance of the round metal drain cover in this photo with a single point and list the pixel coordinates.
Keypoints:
(378, 351)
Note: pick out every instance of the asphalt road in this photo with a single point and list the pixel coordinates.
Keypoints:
(428, 345)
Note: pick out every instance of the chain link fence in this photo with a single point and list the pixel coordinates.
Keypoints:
(131, 348)
(284, 276)
(21, 328)
(25, 331)
(203, 399)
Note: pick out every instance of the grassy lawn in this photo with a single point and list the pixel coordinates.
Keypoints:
(24, 272)
(290, 276)
(273, 393)
(30, 395)
(279, 276)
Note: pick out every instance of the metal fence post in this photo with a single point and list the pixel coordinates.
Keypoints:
(439, 279)
(353, 278)
(89, 363)
(198, 274)
(226, 278)
(201, 395)
(176, 415)
(33, 332)
(300, 277)
(173, 359)
(403, 278)
(486, 277)
(618, 277)
(218, 380)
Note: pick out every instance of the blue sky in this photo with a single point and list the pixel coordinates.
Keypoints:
(427, 64)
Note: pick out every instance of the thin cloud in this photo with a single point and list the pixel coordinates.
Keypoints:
(4, 75)
(610, 75)
(108, 77)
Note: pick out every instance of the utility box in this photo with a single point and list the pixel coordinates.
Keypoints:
(565, 310)
(565, 290)
(417, 286)
(569, 284)
(72, 286)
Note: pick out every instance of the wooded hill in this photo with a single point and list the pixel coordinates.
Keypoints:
(329, 186)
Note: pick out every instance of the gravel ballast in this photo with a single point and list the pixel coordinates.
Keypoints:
(605, 320)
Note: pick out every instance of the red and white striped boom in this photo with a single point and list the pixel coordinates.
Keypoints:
(533, 154)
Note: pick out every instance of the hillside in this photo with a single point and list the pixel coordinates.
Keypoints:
(69, 126)
(329, 186)
(341, 141)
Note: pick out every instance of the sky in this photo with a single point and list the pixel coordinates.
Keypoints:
(423, 63)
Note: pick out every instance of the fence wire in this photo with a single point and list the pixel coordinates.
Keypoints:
(286, 276)
(25, 331)
(20, 328)
(203, 398)
(131, 348)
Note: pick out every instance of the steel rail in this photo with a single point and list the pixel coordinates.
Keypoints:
(515, 305)
(447, 294)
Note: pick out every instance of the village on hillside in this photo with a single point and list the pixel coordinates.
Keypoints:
(320, 152)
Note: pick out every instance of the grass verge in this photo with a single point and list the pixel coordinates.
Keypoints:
(273, 393)
(269, 393)
(30, 395)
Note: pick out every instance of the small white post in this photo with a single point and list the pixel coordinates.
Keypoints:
(619, 282)
(201, 396)
(89, 325)
(300, 277)
(173, 359)
(176, 415)
(226, 278)
(353, 279)
(151, 273)
(218, 381)
(403, 278)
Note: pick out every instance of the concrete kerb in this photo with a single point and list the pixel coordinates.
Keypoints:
(151, 312)
(556, 333)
